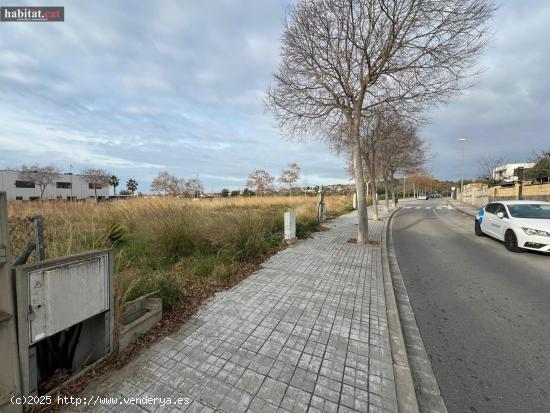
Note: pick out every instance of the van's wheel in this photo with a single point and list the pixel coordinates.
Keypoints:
(478, 230)
(511, 241)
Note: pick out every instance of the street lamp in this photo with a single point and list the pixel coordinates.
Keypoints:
(71, 173)
(462, 140)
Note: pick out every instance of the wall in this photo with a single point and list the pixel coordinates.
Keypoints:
(539, 192)
(478, 197)
(80, 188)
(475, 194)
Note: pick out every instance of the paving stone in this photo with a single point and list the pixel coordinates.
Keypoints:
(272, 391)
(306, 332)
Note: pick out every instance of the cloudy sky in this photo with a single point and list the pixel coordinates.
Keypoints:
(139, 87)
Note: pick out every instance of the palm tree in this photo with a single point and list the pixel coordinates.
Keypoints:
(114, 181)
(132, 185)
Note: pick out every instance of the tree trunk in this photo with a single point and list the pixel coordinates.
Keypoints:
(363, 225)
(374, 199)
(386, 196)
(95, 192)
(393, 188)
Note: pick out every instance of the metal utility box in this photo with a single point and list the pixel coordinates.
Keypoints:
(53, 297)
(63, 295)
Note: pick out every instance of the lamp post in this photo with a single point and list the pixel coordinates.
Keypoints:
(71, 173)
(462, 141)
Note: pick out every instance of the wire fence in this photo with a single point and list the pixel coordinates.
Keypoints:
(22, 233)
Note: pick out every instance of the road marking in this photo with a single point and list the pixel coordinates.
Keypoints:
(428, 207)
(418, 207)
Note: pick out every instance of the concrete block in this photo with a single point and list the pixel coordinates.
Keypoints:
(290, 227)
(152, 315)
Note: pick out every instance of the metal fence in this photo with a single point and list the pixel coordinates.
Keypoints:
(26, 239)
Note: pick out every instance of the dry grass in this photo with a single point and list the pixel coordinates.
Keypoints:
(170, 244)
(187, 250)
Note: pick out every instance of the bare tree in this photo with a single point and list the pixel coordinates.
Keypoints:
(168, 184)
(421, 182)
(260, 180)
(486, 168)
(165, 184)
(96, 178)
(39, 175)
(289, 176)
(343, 58)
(194, 187)
(399, 151)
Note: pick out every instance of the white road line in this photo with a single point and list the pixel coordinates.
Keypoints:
(418, 207)
(428, 207)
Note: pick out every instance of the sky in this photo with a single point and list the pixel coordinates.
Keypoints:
(139, 87)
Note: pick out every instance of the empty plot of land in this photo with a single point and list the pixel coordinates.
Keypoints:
(307, 332)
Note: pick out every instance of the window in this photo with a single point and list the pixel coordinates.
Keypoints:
(24, 184)
(97, 186)
(530, 211)
(34, 198)
(501, 208)
(63, 185)
(18, 198)
(491, 208)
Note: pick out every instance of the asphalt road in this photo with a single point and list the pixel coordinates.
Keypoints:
(483, 312)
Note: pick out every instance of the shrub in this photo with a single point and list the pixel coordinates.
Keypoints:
(170, 244)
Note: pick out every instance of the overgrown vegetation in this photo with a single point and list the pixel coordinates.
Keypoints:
(172, 245)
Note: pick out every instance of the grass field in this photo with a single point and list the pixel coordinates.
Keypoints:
(176, 246)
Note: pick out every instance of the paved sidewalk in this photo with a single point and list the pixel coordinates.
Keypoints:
(467, 209)
(308, 332)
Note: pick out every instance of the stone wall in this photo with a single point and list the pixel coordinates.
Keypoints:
(478, 196)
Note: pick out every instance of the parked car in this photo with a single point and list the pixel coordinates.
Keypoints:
(520, 224)
(422, 197)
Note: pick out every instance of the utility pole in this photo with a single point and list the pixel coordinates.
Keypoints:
(404, 186)
(71, 173)
(462, 140)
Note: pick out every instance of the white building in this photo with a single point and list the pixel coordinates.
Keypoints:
(509, 172)
(66, 186)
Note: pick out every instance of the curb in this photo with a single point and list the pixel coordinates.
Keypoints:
(410, 356)
(404, 386)
(463, 210)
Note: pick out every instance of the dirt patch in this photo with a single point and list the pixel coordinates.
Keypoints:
(368, 243)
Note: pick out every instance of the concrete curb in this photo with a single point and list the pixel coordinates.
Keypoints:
(463, 210)
(426, 393)
(404, 386)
